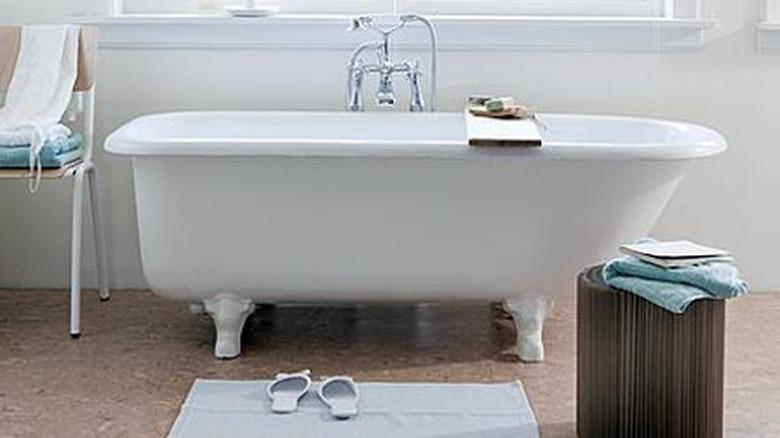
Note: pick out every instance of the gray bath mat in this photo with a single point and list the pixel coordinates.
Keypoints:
(238, 409)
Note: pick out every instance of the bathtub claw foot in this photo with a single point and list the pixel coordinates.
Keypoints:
(229, 314)
(529, 314)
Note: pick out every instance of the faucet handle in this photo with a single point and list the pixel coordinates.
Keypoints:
(417, 100)
(355, 89)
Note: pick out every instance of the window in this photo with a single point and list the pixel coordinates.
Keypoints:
(771, 11)
(537, 7)
(633, 8)
(620, 25)
(768, 28)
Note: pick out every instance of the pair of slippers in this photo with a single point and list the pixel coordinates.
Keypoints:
(339, 393)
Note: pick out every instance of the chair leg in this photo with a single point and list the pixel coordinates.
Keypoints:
(75, 254)
(100, 242)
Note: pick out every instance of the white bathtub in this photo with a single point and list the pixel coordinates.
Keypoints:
(237, 208)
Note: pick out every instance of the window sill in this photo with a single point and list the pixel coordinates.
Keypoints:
(456, 33)
(768, 36)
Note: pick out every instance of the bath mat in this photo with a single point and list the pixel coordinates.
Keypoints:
(238, 409)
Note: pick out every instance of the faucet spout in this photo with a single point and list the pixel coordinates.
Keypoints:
(385, 95)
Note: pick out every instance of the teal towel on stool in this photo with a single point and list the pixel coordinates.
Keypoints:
(674, 289)
(53, 154)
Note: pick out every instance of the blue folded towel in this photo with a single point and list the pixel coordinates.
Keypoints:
(53, 154)
(674, 289)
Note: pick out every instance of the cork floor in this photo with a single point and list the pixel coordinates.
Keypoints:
(139, 354)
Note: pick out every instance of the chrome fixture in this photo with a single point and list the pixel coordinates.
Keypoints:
(385, 68)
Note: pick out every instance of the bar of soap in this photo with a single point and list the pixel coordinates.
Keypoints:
(499, 104)
(510, 112)
(479, 99)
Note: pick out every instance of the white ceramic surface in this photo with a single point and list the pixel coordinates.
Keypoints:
(387, 207)
(370, 134)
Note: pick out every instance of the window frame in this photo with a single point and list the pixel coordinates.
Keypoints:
(287, 6)
(768, 28)
(681, 28)
(591, 8)
(586, 8)
(770, 12)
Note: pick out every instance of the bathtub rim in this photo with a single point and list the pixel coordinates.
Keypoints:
(126, 141)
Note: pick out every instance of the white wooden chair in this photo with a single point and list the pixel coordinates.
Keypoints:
(81, 117)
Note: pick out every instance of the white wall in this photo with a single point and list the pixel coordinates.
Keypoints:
(15, 11)
(728, 201)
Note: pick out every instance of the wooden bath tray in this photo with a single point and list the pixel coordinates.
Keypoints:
(490, 132)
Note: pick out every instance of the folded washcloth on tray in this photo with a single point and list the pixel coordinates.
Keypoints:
(674, 288)
(53, 154)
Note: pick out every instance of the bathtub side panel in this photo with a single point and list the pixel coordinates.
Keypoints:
(356, 229)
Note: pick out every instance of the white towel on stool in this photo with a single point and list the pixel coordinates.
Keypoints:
(40, 89)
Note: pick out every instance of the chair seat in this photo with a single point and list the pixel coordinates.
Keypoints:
(56, 173)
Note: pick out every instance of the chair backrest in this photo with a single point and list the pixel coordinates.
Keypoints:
(10, 38)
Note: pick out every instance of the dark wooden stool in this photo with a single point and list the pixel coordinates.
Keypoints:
(643, 371)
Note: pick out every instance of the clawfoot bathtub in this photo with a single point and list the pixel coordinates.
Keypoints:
(237, 208)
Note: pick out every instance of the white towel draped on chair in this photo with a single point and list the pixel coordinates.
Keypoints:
(40, 90)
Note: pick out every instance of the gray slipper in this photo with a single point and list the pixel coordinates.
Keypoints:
(341, 394)
(286, 390)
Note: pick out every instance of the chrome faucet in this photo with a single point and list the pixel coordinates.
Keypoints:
(385, 68)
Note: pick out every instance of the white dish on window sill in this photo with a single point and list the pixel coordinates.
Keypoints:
(255, 12)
